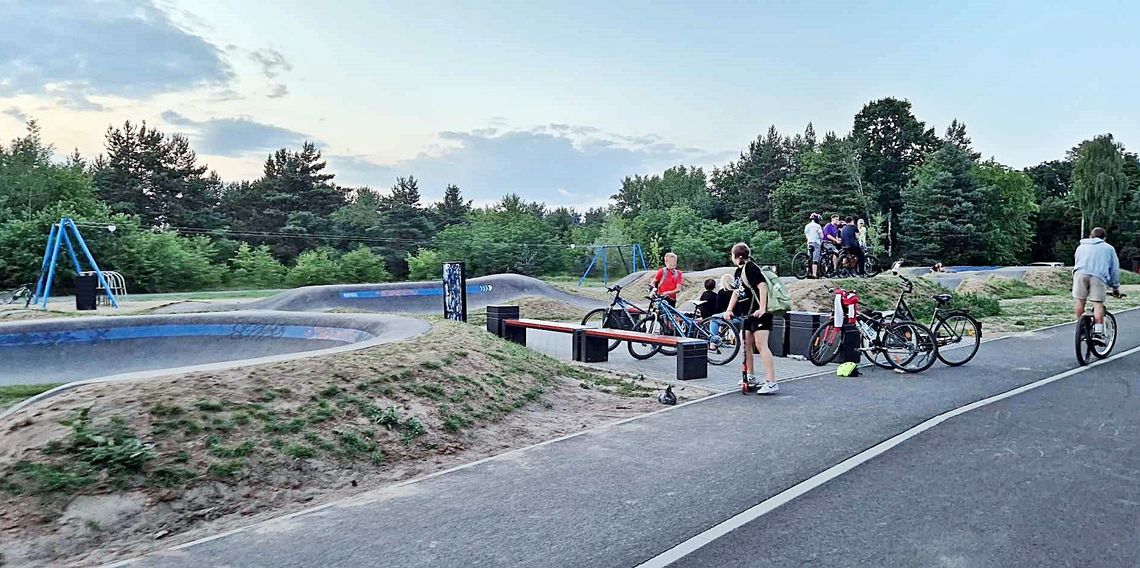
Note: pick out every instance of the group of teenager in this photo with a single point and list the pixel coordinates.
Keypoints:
(742, 298)
(841, 234)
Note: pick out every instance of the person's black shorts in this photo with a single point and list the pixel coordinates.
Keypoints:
(762, 323)
(672, 301)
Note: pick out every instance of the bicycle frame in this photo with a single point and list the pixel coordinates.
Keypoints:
(625, 307)
(671, 315)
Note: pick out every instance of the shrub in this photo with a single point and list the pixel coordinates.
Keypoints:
(362, 266)
(313, 268)
(425, 265)
(256, 268)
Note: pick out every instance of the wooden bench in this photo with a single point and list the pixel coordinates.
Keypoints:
(692, 353)
(591, 345)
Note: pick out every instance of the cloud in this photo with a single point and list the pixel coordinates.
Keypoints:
(235, 137)
(272, 62)
(558, 164)
(125, 48)
(279, 90)
(15, 113)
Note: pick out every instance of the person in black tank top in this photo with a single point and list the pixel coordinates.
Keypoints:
(751, 301)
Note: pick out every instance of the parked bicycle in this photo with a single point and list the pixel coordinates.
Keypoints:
(884, 340)
(24, 292)
(621, 314)
(959, 334)
(1089, 347)
(664, 319)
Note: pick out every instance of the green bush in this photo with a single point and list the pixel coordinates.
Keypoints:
(313, 268)
(256, 268)
(1129, 278)
(427, 264)
(362, 266)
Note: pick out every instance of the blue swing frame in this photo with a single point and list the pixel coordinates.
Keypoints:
(58, 237)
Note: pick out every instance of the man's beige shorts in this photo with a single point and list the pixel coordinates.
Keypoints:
(1087, 287)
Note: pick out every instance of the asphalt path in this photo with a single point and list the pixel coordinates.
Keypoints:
(1050, 477)
(624, 494)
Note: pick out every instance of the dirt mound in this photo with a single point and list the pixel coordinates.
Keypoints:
(1053, 279)
(975, 285)
(115, 469)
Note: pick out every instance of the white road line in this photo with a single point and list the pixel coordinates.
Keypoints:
(764, 507)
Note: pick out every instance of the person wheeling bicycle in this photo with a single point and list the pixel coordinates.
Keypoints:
(751, 299)
(1096, 268)
(849, 239)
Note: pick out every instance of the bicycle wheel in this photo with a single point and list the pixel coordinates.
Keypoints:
(959, 336)
(909, 346)
(723, 346)
(872, 266)
(876, 355)
(824, 344)
(1084, 341)
(642, 351)
(597, 319)
(1102, 351)
(801, 265)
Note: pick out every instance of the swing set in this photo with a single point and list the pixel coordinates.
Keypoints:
(601, 254)
(65, 233)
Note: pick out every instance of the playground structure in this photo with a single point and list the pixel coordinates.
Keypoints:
(601, 253)
(62, 234)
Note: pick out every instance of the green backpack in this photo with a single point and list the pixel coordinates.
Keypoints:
(779, 300)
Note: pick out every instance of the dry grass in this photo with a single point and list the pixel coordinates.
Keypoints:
(234, 446)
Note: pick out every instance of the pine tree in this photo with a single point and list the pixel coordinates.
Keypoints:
(956, 135)
(827, 185)
(746, 184)
(453, 210)
(942, 220)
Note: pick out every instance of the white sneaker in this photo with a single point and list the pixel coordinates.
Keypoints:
(768, 388)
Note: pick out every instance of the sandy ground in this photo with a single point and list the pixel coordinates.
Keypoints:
(102, 523)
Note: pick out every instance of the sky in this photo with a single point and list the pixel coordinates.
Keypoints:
(557, 101)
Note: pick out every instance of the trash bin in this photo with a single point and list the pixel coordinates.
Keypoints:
(86, 291)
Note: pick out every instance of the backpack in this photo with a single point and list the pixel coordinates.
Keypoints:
(847, 370)
(779, 300)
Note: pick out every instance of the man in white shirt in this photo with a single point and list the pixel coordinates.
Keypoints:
(814, 235)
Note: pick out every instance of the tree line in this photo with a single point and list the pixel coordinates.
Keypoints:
(925, 197)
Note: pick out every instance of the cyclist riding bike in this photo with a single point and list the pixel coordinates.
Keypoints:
(1096, 269)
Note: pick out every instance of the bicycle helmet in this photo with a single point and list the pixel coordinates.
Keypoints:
(816, 217)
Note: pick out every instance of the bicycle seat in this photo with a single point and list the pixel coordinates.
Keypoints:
(942, 299)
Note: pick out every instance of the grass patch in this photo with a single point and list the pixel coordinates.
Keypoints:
(89, 453)
(209, 405)
(227, 469)
(170, 476)
(1011, 289)
(299, 451)
(1129, 278)
(12, 394)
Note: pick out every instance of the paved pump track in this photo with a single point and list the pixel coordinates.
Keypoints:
(401, 297)
(81, 350)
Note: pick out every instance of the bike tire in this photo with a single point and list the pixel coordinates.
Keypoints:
(642, 351)
(910, 346)
(824, 344)
(1084, 341)
(596, 319)
(872, 266)
(962, 334)
(1110, 331)
(724, 347)
(801, 265)
(876, 356)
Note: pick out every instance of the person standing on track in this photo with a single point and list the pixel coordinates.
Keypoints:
(751, 299)
(813, 233)
(1096, 268)
(669, 279)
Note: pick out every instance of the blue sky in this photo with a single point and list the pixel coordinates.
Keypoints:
(558, 101)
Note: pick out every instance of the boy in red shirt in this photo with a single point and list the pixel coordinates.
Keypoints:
(668, 279)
